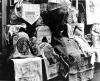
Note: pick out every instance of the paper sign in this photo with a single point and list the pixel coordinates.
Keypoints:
(30, 12)
(92, 11)
(29, 69)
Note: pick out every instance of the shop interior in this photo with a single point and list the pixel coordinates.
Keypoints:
(48, 40)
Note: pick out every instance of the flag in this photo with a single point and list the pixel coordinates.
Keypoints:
(30, 12)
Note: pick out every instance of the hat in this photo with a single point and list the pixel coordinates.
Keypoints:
(55, 4)
(59, 1)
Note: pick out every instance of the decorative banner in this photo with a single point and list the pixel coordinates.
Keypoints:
(30, 12)
(92, 11)
(29, 69)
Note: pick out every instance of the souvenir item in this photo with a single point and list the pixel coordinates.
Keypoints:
(14, 29)
(33, 46)
(21, 46)
(43, 34)
(50, 60)
(28, 69)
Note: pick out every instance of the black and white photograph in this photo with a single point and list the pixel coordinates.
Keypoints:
(49, 40)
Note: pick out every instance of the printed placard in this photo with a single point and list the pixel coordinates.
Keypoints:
(30, 12)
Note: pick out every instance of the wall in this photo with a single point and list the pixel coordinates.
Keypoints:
(0, 24)
(4, 6)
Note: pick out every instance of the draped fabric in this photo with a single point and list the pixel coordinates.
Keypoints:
(80, 68)
(28, 69)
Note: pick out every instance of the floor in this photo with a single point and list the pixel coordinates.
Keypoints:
(4, 74)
